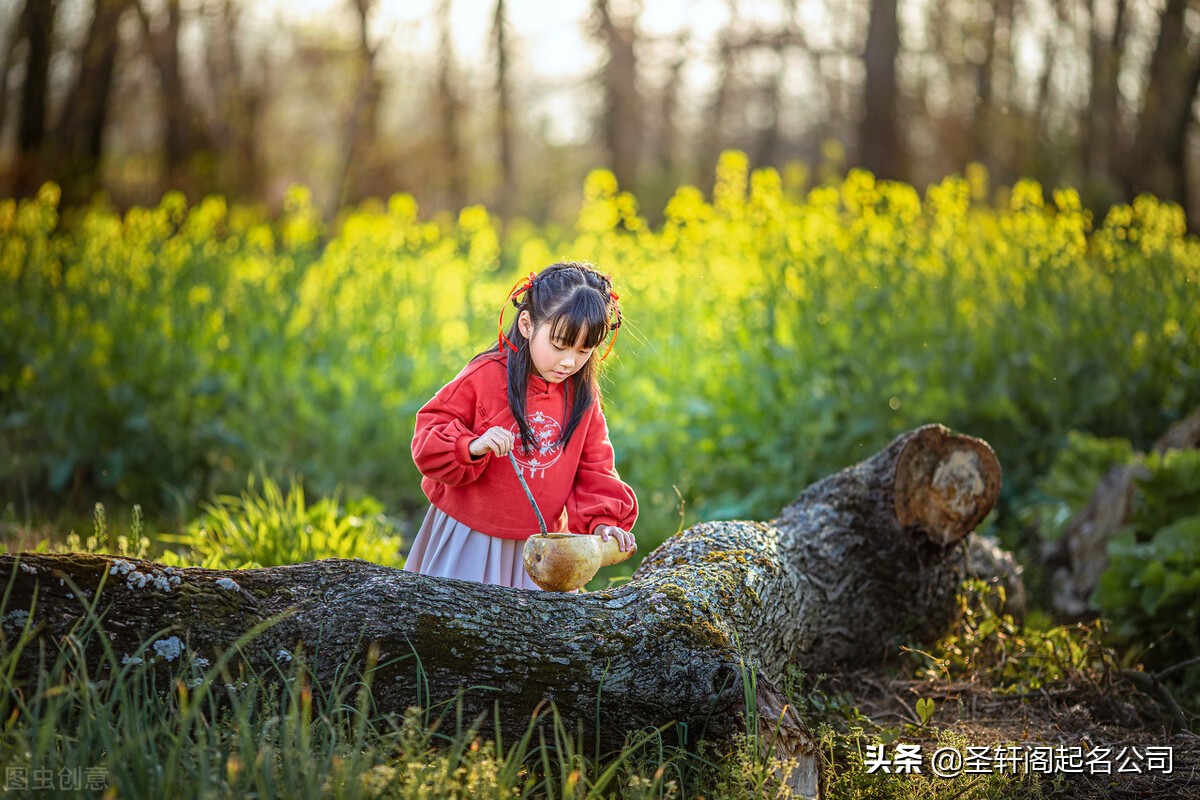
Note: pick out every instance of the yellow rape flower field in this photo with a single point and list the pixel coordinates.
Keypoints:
(190, 357)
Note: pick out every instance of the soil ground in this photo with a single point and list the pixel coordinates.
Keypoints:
(1110, 713)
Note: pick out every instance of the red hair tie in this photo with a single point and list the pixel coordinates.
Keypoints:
(519, 288)
(616, 325)
(524, 285)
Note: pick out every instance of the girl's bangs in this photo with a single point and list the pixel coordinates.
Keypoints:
(584, 313)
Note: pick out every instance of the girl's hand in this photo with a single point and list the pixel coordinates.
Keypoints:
(496, 439)
(624, 538)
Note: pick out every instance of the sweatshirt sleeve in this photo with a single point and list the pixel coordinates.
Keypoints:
(599, 496)
(445, 428)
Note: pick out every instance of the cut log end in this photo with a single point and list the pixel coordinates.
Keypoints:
(945, 483)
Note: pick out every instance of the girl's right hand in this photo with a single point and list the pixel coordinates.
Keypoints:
(496, 439)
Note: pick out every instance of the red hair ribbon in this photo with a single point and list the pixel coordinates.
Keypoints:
(521, 286)
(525, 284)
(616, 327)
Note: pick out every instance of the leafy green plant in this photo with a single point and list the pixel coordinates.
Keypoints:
(992, 647)
(925, 708)
(1149, 591)
(1074, 474)
(813, 700)
(264, 527)
(1151, 587)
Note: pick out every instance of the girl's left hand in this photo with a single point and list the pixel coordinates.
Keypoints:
(624, 538)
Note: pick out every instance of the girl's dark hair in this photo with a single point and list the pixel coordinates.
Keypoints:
(573, 297)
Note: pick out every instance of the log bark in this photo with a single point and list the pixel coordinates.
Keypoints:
(862, 560)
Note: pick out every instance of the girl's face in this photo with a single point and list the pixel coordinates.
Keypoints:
(553, 359)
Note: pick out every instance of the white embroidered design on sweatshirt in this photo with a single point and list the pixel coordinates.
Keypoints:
(546, 447)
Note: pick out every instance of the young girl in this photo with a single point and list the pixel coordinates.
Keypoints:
(535, 395)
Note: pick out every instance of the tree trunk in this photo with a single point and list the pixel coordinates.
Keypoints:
(770, 138)
(182, 135)
(722, 99)
(361, 123)
(15, 35)
(1001, 138)
(36, 25)
(79, 139)
(667, 138)
(863, 560)
(879, 138)
(984, 118)
(238, 100)
(1102, 131)
(621, 122)
(1156, 163)
(1029, 155)
(506, 194)
(450, 114)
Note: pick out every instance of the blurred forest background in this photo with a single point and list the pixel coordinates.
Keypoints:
(241, 243)
(509, 103)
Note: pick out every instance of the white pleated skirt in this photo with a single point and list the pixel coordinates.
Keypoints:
(446, 548)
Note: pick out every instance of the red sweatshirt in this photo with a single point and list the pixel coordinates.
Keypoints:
(576, 487)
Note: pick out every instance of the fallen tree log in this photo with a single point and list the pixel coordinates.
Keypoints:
(861, 561)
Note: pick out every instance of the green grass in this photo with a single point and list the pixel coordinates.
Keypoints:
(266, 527)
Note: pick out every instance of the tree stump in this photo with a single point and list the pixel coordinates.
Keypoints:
(861, 561)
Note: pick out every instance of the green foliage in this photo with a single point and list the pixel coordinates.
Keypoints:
(1167, 491)
(925, 708)
(1073, 476)
(1157, 581)
(991, 647)
(813, 701)
(1151, 587)
(1149, 592)
(267, 528)
(771, 337)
